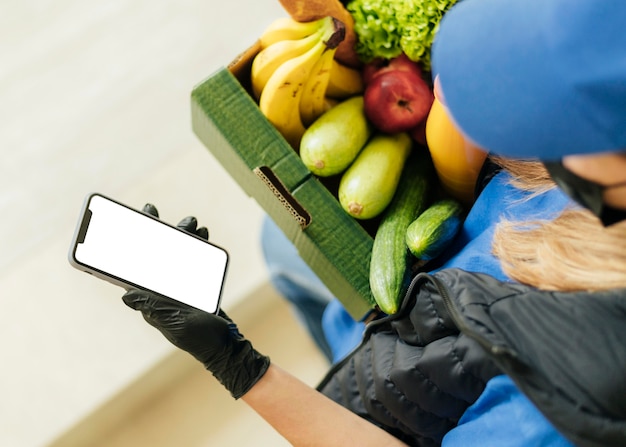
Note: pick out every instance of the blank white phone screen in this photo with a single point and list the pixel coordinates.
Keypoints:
(145, 252)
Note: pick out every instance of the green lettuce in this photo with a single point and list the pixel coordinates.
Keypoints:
(386, 28)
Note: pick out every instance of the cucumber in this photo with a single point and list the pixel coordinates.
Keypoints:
(368, 185)
(390, 260)
(433, 230)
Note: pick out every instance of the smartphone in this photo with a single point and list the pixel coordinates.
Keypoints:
(135, 250)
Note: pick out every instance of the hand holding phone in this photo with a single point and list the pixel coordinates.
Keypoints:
(136, 250)
(214, 340)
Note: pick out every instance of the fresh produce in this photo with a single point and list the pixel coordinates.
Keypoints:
(390, 261)
(386, 28)
(334, 140)
(310, 10)
(280, 98)
(377, 67)
(313, 101)
(396, 97)
(368, 185)
(267, 61)
(457, 160)
(286, 28)
(433, 230)
(344, 81)
(329, 103)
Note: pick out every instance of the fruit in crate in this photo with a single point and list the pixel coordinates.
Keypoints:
(329, 80)
(368, 185)
(310, 10)
(282, 95)
(267, 61)
(286, 38)
(334, 140)
(313, 101)
(286, 28)
(378, 67)
(457, 160)
(396, 98)
(344, 81)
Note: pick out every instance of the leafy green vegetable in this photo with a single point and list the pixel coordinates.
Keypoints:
(386, 28)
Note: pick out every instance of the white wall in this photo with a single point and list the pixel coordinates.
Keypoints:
(94, 96)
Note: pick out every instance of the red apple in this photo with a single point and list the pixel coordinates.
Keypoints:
(380, 66)
(397, 100)
(371, 68)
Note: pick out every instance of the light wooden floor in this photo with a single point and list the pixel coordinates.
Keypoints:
(181, 404)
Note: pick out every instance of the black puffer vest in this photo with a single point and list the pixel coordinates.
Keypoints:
(417, 371)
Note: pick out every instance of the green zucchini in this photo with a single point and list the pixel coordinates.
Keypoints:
(390, 261)
(333, 141)
(433, 230)
(368, 185)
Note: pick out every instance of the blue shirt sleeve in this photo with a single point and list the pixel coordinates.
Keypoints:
(471, 250)
(503, 417)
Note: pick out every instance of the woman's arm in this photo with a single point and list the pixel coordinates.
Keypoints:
(301, 414)
(298, 412)
(305, 417)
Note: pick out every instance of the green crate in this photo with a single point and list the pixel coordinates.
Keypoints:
(334, 245)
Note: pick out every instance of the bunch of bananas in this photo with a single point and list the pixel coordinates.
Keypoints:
(295, 76)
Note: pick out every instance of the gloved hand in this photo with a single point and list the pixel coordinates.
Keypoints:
(189, 224)
(214, 340)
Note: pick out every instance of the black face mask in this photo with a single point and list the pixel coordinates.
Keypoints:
(586, 193)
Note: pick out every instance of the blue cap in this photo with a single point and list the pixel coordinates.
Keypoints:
(535, 78)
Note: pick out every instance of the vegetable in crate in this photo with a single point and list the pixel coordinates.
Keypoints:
(433, 230)
(386, 28)
(334, 140)
(368, 185)
(390, 261)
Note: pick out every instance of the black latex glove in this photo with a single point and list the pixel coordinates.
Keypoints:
(189, 224)
(214, 340)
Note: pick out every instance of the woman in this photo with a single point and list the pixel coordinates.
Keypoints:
(472, 359)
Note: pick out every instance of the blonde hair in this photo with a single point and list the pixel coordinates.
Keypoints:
(572, 252)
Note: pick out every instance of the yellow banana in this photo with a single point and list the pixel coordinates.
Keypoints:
(312, 102)
(286, 28)
(280, 99)
(344, 81)
(273, 56)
